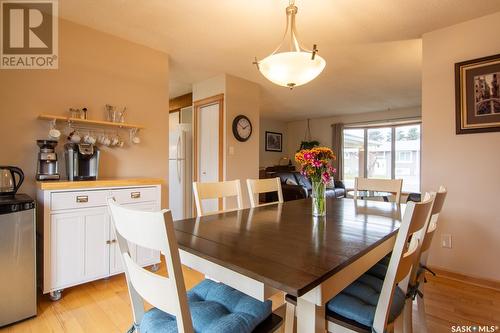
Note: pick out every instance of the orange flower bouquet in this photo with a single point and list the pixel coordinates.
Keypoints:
(315, 164)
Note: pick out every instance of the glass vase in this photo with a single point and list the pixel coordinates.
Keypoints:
(318, 198)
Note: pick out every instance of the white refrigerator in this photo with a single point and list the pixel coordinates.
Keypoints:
(180, 171)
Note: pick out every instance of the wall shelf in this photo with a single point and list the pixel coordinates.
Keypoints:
(89, 122)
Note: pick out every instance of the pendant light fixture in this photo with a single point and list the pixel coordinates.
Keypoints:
(295, 66)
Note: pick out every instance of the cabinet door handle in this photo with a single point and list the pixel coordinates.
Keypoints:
(82, 198)
(111, 241)
(135, 195)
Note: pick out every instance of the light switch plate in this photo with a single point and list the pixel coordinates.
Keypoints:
(231, 150)
(446, 241)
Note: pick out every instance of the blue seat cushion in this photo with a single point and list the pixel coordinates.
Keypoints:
(380, 268)
(215, 308)
(359, 300)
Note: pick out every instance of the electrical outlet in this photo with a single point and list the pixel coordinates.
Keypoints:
(446, 241)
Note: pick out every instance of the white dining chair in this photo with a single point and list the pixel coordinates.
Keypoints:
(393, 186)
(216, 190)
(258, 186)
(209, 306)
(371, 304)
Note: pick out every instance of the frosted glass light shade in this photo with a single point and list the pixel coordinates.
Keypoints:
(291, 69)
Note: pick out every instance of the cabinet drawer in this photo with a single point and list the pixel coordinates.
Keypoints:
(78, 199)
(133, 195)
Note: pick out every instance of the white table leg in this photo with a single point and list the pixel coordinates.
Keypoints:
(310, 317)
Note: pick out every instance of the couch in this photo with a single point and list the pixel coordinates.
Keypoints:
(296, 186)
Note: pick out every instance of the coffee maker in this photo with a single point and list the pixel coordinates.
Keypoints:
(47, 168)
(82, 161)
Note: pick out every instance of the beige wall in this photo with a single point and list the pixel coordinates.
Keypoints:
(94, 69)
(467, 164)
(210, 87)
(321, 129)
(242, 97)
(241, 159)
(270, 158)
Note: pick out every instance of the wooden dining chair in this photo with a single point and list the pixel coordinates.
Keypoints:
(418, 274)
(393, 186)
(216, 190)
(257, 186)
(208, 307)
(371, 304)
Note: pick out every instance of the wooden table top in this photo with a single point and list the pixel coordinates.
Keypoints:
(284, 246)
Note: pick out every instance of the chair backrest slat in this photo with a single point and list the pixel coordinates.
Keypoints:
(215, 190)
(439, 201)
(384, 185)
(152, 287)
(257, 186)
(426, 243)
(433, 224)
(153, 230)
(414, 224)
(146, 229)
(407, 261)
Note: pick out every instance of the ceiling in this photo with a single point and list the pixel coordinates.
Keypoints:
(372, 48)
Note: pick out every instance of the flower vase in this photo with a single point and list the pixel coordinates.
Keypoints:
(318, 198)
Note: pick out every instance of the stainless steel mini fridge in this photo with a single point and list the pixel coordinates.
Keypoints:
(17, 259)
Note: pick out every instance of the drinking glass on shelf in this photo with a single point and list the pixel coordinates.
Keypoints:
(110, 112)
(75, 113)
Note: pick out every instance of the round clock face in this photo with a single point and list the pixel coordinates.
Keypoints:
(242, 128)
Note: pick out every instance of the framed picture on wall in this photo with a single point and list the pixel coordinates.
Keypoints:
(274, 141)
(477, 94)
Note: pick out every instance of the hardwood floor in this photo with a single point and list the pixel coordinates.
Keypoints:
(103, 306)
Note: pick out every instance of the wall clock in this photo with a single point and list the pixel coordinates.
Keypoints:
(242, 128)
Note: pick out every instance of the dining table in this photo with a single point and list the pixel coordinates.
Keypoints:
(283, 247)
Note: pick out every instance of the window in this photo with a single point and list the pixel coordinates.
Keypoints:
(390, 152)
(407, 147)
(354, 155)
(379, 153)
(403, 156)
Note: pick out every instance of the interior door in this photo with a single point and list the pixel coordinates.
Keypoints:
(209, 154)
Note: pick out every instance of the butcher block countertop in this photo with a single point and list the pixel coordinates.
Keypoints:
(106, 182)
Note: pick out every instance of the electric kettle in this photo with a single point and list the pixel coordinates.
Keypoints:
(8, 183)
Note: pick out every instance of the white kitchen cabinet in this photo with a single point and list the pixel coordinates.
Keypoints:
(68, 250)
(79, 250)
(79, 241)
(96, 254)
(115, 257)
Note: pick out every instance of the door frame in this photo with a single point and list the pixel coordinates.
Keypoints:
(197, 108)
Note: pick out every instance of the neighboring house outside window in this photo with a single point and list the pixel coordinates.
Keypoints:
(390, 152)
